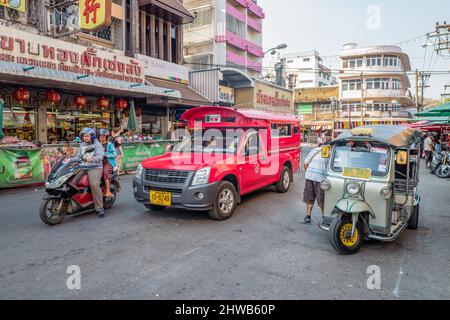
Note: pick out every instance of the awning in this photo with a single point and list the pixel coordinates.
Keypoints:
(172, 6)
(44, 77)
(188, 96)
(236, 78)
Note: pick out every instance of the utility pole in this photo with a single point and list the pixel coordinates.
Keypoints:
(362, 99)
(417, 91)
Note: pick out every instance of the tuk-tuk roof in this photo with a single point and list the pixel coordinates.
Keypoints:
(242, 113)
(396, 136)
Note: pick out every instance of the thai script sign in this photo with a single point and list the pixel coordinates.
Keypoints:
(34, 50)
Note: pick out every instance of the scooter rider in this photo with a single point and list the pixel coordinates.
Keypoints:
(92, 163)
(109, 161)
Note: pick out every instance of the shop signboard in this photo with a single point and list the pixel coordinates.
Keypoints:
(18, 5)
(226, 95)
(94, 15)
(17, 46)
(136, 152)
(305, 108)
(161, 69)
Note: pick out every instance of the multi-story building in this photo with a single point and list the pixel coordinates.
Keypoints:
(374, 85)
(300, 70)
(225, 33)
(56, 78)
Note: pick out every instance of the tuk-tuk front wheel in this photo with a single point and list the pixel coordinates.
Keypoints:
(341, 238)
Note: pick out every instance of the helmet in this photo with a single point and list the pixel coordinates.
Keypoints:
(88, 131)
(104, 132)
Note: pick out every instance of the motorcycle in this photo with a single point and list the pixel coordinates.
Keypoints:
(63, 198)
(443, 171)
(436, 161)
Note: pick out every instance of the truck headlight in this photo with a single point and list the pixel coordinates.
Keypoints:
(325, 185)
(353, 188)
(386, 193)
(201, 176)
(139, 171)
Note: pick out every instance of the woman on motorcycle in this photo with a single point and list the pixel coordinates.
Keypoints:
(91, 154)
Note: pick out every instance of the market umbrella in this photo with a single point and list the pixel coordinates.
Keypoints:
(132, 119)
(439, 111)
(2, 104)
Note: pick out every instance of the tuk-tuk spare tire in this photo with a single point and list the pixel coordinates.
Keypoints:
(413, 222)
(339, 227)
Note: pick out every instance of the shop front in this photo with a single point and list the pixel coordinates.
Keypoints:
(53, 88)
(161, 113)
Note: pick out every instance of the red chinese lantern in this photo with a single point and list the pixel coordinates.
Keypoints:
(121, 104)
(102, 103)
(21, 95)
(53, 97)
(80, 101)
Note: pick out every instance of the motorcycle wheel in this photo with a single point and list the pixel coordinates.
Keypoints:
(50, 214)
(107, 204)
(443, 172)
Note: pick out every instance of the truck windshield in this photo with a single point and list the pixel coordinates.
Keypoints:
(211, 141)
(361, 155)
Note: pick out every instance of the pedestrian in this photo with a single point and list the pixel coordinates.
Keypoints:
(315, 167)
(427, 147)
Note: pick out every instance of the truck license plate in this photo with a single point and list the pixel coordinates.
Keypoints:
(160, 198)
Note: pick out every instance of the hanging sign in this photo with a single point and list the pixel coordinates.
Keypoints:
(94, 14)
(18, 5)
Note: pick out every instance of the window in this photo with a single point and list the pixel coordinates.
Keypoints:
(236, 26)
(353, 63)
(325, 108)
(391, 61)
(281, 130)
(351, 85)
(306, 59)
(396, 84)
(377, 83)
(373, 61)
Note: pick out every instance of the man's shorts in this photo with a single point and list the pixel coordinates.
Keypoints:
(313, 192)
(107, 171)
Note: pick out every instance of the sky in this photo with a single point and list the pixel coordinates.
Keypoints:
(325, 25)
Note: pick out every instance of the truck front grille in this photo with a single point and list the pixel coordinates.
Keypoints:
(166, 176)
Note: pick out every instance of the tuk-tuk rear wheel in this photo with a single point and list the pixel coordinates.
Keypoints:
(340, 236)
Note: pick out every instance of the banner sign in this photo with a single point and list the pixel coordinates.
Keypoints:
(157, 68)
(18, 5)
(20, 167)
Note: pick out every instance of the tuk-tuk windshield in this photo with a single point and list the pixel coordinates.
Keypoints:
(211, 141)
(361, 155)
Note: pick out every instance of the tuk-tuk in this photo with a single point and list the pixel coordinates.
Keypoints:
(371, 185)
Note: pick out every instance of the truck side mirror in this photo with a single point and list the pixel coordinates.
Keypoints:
(325, 152)
(402, 158)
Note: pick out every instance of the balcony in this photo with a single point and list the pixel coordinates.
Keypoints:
(242, 3)
(255, 9)
(235, 40)
(255, 25)
(235, 58)
(254, 65)
(232, 11)
(255, 49)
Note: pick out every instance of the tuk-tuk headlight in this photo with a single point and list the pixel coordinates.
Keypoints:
(325, 185)
(353, 188)
(386, 193)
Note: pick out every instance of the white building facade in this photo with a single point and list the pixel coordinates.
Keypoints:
(225, 33)
(373, 83)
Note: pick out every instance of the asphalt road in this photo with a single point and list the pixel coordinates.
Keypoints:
(264, 252)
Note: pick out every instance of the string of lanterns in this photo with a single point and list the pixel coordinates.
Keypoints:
(21, 95)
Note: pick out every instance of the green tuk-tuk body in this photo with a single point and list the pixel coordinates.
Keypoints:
(371, 185)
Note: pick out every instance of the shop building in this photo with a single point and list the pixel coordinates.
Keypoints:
(55, 78)
(318, 109)
(373, 86)
(226, 33)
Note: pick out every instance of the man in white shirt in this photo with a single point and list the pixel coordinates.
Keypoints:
(428, 148)
(315, 167)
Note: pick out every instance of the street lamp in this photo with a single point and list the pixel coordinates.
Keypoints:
(279, 47)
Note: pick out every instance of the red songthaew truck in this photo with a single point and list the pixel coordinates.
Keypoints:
(230, 153)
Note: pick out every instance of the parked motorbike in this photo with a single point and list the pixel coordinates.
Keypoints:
(443, 171)
(436, 161)
(64, 199)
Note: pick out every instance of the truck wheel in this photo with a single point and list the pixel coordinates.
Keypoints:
(225, 203)
(413, 222)
(340, 236)
(284, 183)
(154, 208)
